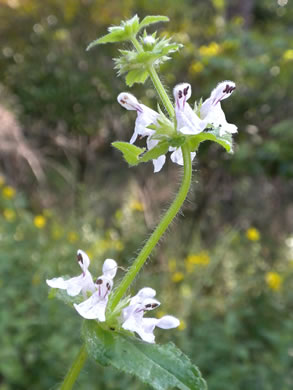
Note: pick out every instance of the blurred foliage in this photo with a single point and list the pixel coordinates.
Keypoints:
(228, 267)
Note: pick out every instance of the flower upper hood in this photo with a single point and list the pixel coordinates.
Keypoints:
(211, 110)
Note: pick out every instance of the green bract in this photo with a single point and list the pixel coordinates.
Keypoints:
(136, 64)
(134, 155)
(161, 366)
(130, 152)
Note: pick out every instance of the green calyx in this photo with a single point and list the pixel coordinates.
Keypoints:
(136, 64)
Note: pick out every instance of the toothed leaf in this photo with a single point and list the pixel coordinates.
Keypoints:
(136, 76)
(163, 367)
(152, 19)
(225, 141)
(130, 152)
(124, 32)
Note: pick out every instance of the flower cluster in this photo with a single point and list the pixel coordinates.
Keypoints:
(188, 121)
(96, 296)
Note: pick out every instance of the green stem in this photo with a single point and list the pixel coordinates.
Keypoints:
(161, 91)
(158, 232)
(157, 82)
(74, 370)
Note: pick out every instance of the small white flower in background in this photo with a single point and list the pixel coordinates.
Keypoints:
(81, 283)
(95, 306)
(211, 111)
(134, 321)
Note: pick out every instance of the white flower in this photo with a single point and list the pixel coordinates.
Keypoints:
(95, 306)
(145, 117)
(134, 321)
(187, 120)
(81, 283)
(211, 111)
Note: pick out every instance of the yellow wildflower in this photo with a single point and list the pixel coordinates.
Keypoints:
(202, 258)
(72, 237)
(274, 280)
(136, 205)
(9, 215)
(40, 221)
(288, 55)
(253, 234)
(2, 181)
(182, 325)
(172, 265)
(212, 50)
(8, 192)
(196, 67)
(177, 277)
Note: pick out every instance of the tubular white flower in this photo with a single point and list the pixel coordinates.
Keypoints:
(145, 115)
(95, 306)
(81, 283)
(133, 316)
(211, 111)
(187, 120)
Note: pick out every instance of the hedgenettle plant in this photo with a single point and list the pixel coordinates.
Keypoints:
(111, 320)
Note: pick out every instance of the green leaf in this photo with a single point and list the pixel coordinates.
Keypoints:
(124, 32)
(152, 19)
(225, 141)
(161, 366)
(157, 151)
(130, 152)
(136, 76)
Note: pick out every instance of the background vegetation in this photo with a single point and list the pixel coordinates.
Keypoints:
(228, 265)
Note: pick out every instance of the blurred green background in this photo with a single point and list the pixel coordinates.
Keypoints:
(226, 268)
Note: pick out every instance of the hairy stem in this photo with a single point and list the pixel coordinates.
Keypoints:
(158, 232)
(157, 82)
(74, 370)
(173, 209)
